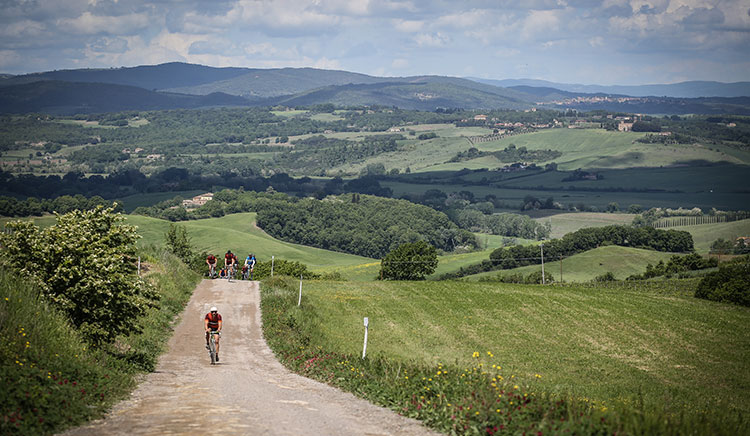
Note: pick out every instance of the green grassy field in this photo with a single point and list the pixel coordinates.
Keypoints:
(583, 267)
(564, 223)
(597, 148)
(608, 344)
(705, 234)
(237, 232)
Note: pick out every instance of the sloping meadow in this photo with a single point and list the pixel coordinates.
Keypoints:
(471, 358)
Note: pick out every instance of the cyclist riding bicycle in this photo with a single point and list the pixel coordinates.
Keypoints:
(230, 261)
(212, 323)
(211, 262)
(250, 264)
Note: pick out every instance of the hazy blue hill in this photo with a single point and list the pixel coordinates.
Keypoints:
(152, 77)
(420, 96)
(277, 82)
(58, 97)
(690, 89)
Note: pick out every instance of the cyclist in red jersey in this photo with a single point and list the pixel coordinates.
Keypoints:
(211, 262)
(212, 323)
(229, 261)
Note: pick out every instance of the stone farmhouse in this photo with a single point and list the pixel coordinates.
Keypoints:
(198, 200)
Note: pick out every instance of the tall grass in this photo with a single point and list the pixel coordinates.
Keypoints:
(437, 361)
(51, 378)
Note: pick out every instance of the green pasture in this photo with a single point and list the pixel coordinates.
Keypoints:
(565, 223)
(614, 344)
(705, 234)
(238, 232)
(598, 148)
(583, 267)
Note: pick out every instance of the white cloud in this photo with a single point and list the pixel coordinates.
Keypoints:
(22, 29)
(539, 24)
(90, 24)
(432, 40)
(400, 63)
(407, 26)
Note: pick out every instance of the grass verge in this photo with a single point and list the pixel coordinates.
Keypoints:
(458, 391)
(51, 378)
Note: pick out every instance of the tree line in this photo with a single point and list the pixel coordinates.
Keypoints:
(32, 206)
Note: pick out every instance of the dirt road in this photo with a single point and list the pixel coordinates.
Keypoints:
(247, 393)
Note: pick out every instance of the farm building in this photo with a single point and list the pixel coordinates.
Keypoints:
(198, 200)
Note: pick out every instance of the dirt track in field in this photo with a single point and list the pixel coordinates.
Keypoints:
(247, 393)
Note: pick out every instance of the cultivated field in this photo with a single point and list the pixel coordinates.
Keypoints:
(564, 223)
(605, 344)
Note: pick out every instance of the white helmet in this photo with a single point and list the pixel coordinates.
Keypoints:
(214, 309)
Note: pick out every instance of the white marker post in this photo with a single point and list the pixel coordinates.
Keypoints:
(541, 246)
(139, 266)
(364, 349)
(299, 302)
(272, 257)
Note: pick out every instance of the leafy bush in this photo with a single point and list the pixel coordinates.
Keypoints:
(412, 261)
(730, 284)
(606, 277)
(51, 378)
(178, 242)
(85, 266)
(282, 267)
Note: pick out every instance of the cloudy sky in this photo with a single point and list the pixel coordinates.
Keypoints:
(573, 41)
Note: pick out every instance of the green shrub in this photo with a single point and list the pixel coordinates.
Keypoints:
(85, 266)
(411, 261)
(283, 267)
(51, 378)
(606, 277)
(730, 284)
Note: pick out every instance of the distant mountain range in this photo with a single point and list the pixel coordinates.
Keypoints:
(180, 85)
(691, 89)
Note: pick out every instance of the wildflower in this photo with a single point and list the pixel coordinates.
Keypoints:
(476, 354)
(515, 386)
(537, 376)
(490, 354)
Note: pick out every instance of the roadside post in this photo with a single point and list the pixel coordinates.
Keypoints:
(299, 302)
(364, 349)
(139, 266)
(541, 246)
(272, 258)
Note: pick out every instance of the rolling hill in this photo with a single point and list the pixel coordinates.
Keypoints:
(57, 97)
(689, 89)
(109, 90)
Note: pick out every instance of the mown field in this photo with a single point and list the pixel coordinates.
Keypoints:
(584, 267)
(564, 223)
(622, 344)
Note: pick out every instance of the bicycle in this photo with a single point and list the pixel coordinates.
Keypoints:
(212, 271)
(230, 272)
(245, 273)
(212, 346)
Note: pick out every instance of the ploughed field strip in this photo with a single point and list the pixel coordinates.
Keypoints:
(247, 392)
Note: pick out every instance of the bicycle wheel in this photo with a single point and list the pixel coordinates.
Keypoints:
(212, 349)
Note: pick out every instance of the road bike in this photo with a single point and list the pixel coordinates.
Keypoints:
(212, 271)
(245, 272)
(230, 273)
(212, 346)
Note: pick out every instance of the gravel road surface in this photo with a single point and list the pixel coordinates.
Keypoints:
(247, 393)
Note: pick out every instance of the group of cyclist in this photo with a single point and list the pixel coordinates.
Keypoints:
(212, 321)
(231, 264)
